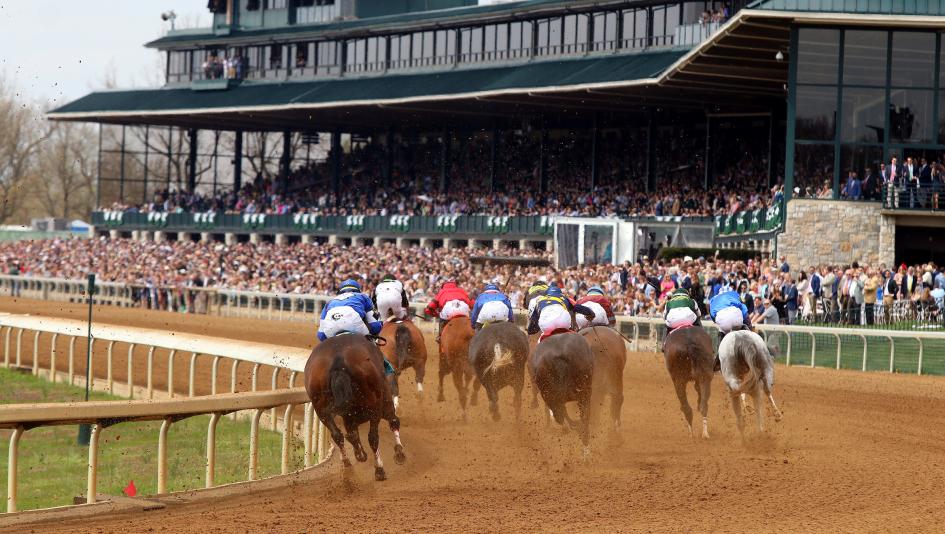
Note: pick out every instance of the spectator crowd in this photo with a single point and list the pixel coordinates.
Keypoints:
(163, 273)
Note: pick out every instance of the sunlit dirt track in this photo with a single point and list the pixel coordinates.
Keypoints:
(855, 452)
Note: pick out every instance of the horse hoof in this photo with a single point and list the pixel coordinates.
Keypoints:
(495, 416)
(440, 398)
(346, 463)
(362, 456)
(705, 435)
(399, 455)
(585, 454)
(396, 402)
(379, 474)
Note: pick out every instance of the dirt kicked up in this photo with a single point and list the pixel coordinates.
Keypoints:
(855, 452)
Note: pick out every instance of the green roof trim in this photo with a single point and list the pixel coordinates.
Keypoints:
(387, 22)
(537, 76)
(856, 7)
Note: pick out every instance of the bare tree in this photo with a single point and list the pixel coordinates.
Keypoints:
(21, 135)
(65, 184)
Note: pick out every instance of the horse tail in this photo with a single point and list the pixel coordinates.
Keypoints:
(403, 345)
(339, 382)
(561, 372)
(501, 357)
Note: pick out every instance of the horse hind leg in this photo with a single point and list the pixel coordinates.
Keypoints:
(399, 455)
(460, 382)
(420, 370)
(704, 388)
(774, 406)
(354, 438)
(493, 395)
(759, 398)
(338, 437)
(680, 387)
(374, 441)
(738, 409)
(443, 372)
(395, 388)
(474, 395)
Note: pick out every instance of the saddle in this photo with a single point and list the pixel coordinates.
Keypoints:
(377, 340)
(556, 331)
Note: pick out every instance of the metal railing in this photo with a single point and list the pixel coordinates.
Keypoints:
(914, 195)
(103, 414)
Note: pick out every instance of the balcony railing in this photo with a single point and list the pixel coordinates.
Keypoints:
(914, 196)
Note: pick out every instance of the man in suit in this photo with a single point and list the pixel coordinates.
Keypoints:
(893, 183)
(851, 189)
(890, 290)
(924, 182)
(869, 185)
(828, 281)
(910, 180)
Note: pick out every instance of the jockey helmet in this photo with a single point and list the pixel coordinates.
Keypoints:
(490, 287)
(554, 291)
(595, 290)
(349, 285)
(389, 278)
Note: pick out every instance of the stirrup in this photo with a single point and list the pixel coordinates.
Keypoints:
(388, 368)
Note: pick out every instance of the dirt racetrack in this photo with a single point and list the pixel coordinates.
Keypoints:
(855, 452)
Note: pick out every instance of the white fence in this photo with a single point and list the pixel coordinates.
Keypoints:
(101, 414)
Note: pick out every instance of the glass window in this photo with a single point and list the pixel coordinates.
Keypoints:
(450, 44)
(489, 39)
(428, 46)
(441, 46)
(913, 59)
(371, 57)
(813, 169)
(672, 18)
(941, 67)
(818, 54)
(659, 24)
(416, 48)
(941, 117)
(404, 49)
(476, 43)
(864, 57)
(863, 115)
(570, 30)
(858, 159)
(582, 21)
(816, 113)
(555, 32)
(910, 115)
(542, 34)
(515, 36)
(395, 49)
(502, 39)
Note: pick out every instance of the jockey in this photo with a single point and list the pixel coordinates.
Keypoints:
(390, 299)
(452, 301)
(728, 312)
(595, 301)
(681, 310)
(553, 311)
(492, 306)
(351, 311)
(535, 290)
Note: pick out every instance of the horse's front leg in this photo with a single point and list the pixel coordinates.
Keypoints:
(680, 386)
(704, 388)
(399, 455)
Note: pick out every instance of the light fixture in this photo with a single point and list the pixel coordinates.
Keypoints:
(779, 56)
(169, 16)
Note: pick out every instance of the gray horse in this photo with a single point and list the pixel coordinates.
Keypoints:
(748, 366)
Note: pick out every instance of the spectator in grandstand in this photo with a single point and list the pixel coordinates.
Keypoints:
(851, 189)
(13, 269)
(870, 185)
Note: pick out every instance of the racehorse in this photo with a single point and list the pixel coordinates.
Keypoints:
(454, 357)
(562, 367)
(610, 358)
(532, 343)
(690, 358)
(498, 353)
(344, 377)
(748, 366)
(405, 348)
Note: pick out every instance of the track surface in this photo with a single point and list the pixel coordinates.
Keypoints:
(855, 452)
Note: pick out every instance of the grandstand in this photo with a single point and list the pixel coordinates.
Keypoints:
(357, 121)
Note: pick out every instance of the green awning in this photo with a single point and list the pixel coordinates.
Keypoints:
(537, 77)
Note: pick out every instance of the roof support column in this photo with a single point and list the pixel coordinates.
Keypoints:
(335, 154)
(709, 162)
(650, 153)
(771, 178)
(98, 182)
(237, 161)
(121, 171)
(147, 150)
(170, 147)
(192, 161)
(543, 160)
(789, 122)
(493, 153)
(445, 160)
(216, 160)
(286, 161)
(595, 140)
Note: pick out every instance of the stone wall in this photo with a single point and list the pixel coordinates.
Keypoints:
(836, 232)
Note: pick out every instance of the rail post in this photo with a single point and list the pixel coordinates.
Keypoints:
(52, 358)
(151, 372)
(170, 373)
(254, 444)
(864, 350)
(72, 360)
(162, 456)
(111, 376)
(92, 485)
(921, 350)
(212, 447)
(192, 374)
(36, 354)
(255, 377)
(131, 381)
(813, 349)
(787, 358)
(307, 433)
(837, 336)
(6, 348)
(233, 370)
(13, 457)
(273, 415)
(213, 376)
(892, 353)
(19, 348)
(286, 437)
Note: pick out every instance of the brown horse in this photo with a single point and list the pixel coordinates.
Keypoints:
(405, 348)
(562, 367)
(454, 357)
(344, 377)
(532, 343)
(498, 353)
(610, 358)
(690, 358)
